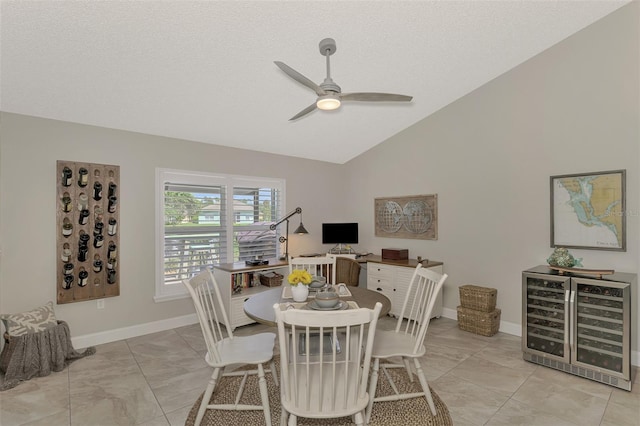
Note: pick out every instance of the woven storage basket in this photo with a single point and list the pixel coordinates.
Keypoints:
(478, 322)
(271, 279)
(478, 298)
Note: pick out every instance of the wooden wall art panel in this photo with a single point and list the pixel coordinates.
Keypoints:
(414, 217)
(88, 231)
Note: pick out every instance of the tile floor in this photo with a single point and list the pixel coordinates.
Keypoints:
(154, 380)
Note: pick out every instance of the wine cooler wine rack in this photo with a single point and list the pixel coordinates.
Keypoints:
(88, 231)
(578, 324)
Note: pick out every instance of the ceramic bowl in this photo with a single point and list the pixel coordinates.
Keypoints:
(318, 282)
(327, 299)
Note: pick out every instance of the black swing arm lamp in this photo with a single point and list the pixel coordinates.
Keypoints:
(299, 230)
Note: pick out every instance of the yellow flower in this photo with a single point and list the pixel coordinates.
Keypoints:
(299, 276)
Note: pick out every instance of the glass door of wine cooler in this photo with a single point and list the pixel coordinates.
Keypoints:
(546, 315)
(600, 337)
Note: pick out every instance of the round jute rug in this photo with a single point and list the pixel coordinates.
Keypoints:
(409, 412)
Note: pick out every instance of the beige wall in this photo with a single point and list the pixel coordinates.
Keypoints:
(488, 156)
(29, 150)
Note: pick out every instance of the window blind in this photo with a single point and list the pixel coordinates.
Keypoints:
(218, 223)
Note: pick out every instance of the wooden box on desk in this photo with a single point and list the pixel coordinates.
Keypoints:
(395, 254)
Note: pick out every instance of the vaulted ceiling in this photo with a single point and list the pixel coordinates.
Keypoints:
(204, 70)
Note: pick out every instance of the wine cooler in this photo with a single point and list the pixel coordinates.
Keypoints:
(579, 324)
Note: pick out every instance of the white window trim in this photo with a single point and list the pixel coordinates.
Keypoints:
(165, 292)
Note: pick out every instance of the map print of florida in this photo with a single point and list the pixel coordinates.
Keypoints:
(589, 211)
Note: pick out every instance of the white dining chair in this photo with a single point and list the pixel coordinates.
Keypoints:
(325, 359)
(407, 340)
(225, 350)
(324, 266)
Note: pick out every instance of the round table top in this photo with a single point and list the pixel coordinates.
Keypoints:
(259, 307)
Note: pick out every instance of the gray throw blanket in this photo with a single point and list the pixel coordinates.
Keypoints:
(38, 354)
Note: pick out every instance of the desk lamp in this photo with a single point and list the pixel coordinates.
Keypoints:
(285, 239)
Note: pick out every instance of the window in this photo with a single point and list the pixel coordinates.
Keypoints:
(204, 218)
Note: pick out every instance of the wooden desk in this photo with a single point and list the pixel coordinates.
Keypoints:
(411, 263)
(259, 307)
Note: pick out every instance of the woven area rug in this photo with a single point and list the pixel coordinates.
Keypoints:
(413, 411)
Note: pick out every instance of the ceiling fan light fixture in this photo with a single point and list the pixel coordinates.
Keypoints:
(329, 94)
(328, 102)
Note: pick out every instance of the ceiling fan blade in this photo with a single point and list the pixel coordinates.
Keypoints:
(375, 97)
(305, 111)
(300, 78)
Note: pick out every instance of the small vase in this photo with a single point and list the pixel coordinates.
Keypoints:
(299, 292)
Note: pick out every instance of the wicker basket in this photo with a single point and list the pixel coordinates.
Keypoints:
(478, 298)
(478, 322)
(271, 279)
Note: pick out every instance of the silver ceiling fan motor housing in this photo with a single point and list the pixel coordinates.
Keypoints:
(327, 48)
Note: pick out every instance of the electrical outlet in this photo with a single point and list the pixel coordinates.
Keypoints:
(101, 304)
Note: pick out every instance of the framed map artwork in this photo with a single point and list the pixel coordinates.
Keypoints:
(588, 211)
(413, 217)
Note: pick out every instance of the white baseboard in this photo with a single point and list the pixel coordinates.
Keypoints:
(109, 336)
(516, 330)
(450, 313)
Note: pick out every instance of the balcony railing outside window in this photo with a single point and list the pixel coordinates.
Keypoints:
(222, 222)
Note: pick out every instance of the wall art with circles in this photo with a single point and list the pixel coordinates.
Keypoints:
(414, 217)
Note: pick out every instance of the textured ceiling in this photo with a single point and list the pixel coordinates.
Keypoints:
(204, 71)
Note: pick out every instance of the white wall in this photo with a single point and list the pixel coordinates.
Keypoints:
(29, 149)
(488, 156)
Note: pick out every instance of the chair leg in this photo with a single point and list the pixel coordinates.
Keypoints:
(264, 394)
(373, 383)
(293, 420)
(273, 372)
(358, 418)
(425, 386)
(407, 366)
(283, 417)
(219, 373)
(207, 396)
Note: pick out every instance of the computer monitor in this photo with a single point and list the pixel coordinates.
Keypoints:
(340, 233)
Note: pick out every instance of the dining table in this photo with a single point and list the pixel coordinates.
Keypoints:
(259, 307)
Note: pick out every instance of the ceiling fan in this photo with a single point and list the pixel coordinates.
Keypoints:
(330, 95)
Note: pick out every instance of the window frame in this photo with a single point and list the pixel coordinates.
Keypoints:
(166, 292)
